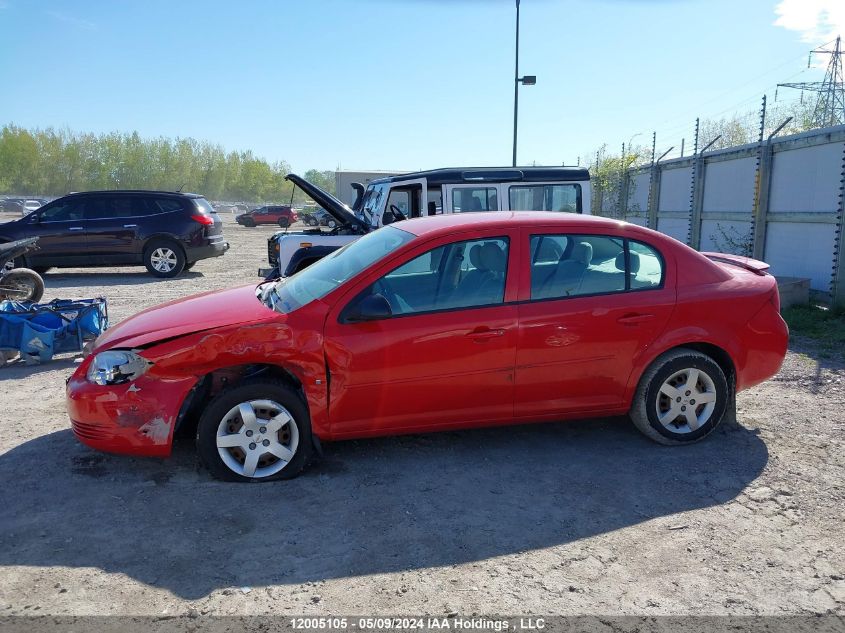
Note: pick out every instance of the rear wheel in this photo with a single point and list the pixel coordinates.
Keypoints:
(255, 431)
(164, 258)
(21, 284)
(681, 398)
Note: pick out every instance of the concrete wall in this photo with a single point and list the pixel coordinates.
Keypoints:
(781, 201)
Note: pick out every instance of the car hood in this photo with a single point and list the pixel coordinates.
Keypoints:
(186, 316)
(334, 207)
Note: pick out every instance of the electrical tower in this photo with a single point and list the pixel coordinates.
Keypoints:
(830, 107)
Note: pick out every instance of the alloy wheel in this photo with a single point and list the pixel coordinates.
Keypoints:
(163, 259)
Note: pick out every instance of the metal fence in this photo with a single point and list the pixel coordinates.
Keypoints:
(779, 200)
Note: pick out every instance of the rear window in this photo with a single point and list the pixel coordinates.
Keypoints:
(203, 205)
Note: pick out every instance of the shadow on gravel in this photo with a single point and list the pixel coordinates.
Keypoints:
(96, 278)
(369, 507)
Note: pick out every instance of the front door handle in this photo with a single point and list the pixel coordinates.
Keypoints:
(485, 334)
(76, 228)
(129, 226)
(634, 319)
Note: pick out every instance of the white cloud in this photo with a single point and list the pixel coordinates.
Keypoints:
(818, 21)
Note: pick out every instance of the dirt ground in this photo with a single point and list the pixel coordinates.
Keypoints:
(572, 518)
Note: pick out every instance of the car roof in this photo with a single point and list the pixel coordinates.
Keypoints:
(447, 223)
(481, 175)
(175, 194)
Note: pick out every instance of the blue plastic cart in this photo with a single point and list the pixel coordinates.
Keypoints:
(39, 330)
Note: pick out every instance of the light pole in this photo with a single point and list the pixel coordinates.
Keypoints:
(528, 80)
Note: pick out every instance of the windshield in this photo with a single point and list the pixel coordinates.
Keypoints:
(320, 278)
(371, 205)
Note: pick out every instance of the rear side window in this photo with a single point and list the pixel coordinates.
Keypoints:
(474, 199)
(565, 198)
(163, 205)
(593, 265)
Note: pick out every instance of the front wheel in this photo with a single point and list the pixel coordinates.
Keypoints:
(164, 258)
(21, 284)
(255, 431)
(681, 398)
(284, 223)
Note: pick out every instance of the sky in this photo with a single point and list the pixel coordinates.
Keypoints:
(402, 84)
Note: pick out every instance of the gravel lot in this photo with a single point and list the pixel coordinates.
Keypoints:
(580, 517)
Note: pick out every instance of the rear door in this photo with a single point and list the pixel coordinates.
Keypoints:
(112, 224)
(567, 197)
(584, 319)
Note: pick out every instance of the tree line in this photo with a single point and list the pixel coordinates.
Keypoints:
(54, 162)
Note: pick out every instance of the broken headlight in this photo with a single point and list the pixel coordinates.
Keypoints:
(115, 367)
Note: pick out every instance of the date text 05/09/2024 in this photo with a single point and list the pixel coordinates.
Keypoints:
(427, 623)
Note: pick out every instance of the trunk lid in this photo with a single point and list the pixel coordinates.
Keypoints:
(337, 209)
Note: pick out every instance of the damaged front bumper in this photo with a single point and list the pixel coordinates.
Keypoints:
(136, 418)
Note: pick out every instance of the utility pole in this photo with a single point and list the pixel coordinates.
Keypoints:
(830, 106)
(528, 80)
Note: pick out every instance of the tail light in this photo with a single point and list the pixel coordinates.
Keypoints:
(205, 220)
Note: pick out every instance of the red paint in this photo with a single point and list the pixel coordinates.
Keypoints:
(520, 361)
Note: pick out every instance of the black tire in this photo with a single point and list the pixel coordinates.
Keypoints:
(222, 405)
(284, 223)
(159, 251)
(249, 223)
(27, 280)
(648, 399)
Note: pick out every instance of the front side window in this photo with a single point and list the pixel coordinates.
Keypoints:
(70, 210)
(466, 274)
(565, 198)
(474, 199)
(328, 273)
(591, 265)
(372, 203)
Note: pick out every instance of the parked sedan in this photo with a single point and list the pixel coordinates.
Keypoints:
(438, 323)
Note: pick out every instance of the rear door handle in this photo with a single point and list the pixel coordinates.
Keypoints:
(634, 319)
(485, 334)
(129, 226)
(76, 228)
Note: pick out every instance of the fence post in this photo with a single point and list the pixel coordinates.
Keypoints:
(837, 285)
(694, 231)
(654, 191)
(622, 203)
(761, 208)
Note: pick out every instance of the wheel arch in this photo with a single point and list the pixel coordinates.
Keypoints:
(162, 236)
(719, 354)
(212, 383)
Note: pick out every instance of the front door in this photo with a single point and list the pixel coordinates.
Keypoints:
(60, 229)
(446, 355)
(593, 304)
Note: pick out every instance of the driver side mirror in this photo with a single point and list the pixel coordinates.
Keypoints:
(35, 218)
(369, 308)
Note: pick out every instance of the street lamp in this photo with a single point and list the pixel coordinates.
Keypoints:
(527, 80)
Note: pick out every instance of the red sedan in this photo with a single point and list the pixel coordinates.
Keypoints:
(438, 323)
